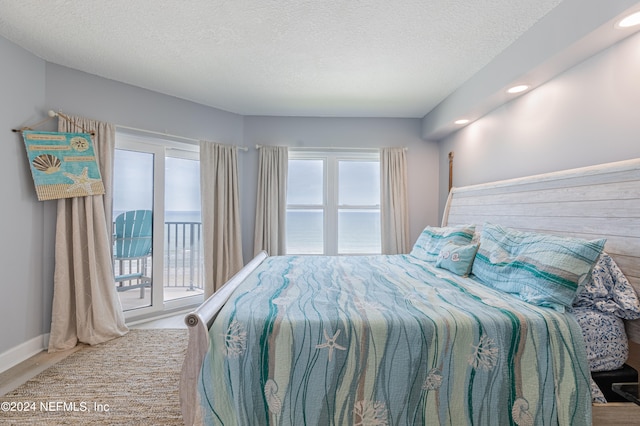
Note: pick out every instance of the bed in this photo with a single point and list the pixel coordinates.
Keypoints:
(423, 338)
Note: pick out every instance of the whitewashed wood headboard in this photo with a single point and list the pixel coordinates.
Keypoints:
(592, 202)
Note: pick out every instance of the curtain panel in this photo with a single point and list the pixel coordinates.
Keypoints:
(86, 307)
(394, 202)
(271, 202)
(220, 214)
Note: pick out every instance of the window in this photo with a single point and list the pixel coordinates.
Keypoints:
(333, 203)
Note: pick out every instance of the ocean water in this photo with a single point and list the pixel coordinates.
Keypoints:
(182, 216)
(358, 230)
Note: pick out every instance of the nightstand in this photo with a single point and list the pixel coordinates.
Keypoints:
(627, 390)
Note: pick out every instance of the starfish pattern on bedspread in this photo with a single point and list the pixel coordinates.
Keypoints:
(331, 343)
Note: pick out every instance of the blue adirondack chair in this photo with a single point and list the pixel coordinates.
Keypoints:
(132, 247)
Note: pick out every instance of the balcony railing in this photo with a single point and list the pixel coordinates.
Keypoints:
(183, 258)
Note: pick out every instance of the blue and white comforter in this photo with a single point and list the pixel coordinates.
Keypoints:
(388, 340)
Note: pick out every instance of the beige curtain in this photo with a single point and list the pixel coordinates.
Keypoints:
(394, 202)
(220, 214)
(86, 307)
(271, 202)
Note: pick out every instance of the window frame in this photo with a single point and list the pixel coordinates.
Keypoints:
(330, 191)
(160, 148)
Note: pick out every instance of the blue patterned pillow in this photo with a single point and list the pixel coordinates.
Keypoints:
(456, 258)
(544, 270)
(432, 239)
(604, 337)
(609, 291)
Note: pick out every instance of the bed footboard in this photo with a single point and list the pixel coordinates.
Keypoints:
(198, 323)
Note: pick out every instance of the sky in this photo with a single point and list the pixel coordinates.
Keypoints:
(359, 182)
(133, 182)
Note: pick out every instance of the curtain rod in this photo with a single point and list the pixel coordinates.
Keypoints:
(52, 114)
(152, 132)
(332, 148)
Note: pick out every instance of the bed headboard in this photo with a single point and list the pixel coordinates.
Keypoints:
(592, 202)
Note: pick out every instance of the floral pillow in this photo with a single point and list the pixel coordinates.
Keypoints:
(609, 291)
(604, 337)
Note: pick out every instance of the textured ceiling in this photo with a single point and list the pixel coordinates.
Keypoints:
(356, 58)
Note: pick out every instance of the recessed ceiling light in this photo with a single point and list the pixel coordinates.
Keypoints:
(461, 121)
(517, 89)
(630, 21)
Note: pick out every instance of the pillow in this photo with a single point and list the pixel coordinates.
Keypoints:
(456, 258)
(609, 291)
(432, 239)
(604, 337)
(544, 270)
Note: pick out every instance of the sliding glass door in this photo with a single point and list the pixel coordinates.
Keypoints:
(183, 271)
(158, 182)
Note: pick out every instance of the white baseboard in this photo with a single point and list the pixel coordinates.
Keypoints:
(23, 352)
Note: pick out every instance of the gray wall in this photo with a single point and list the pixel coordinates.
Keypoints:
(588, 115)
(25, 259)
(77, 93)
(568, 34)
(31, 87)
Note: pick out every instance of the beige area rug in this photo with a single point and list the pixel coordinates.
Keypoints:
(131, 380)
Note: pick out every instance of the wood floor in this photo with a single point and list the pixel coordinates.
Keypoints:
(19, 374)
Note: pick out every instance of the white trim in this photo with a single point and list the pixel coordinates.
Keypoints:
(168, 144)
(164, 135)
(343, 154)
(168, 140)
(330, 148)
(23, 352)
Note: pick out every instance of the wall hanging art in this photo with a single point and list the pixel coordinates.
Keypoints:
(63, 165)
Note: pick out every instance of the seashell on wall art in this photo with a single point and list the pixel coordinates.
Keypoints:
(46, 163)
(79, 143)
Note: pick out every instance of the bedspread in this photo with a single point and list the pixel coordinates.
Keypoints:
(388, 340)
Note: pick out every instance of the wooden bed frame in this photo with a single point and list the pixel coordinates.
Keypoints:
(593, 202)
